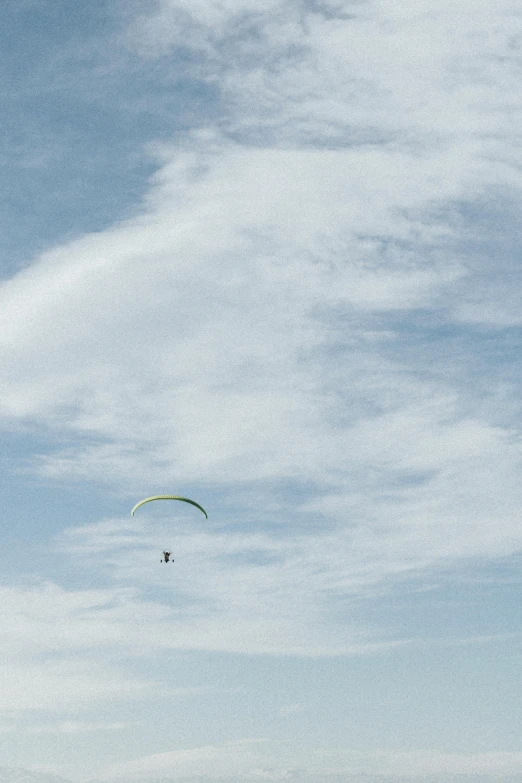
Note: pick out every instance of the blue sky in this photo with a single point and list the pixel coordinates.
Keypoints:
(265, 255)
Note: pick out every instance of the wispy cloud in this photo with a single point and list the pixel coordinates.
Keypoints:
(236, 592)
(233, 351)
(58, 653)
(413, 77)
(77, 727)
(213, 760)
(56, 685)
(250, 760)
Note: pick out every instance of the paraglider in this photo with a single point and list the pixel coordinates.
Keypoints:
(166, 554)
(168, 497)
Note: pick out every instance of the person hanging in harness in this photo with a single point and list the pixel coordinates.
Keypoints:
(166, 557)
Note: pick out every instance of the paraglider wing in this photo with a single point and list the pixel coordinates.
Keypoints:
(168, 497)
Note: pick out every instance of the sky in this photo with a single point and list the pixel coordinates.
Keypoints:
(265, 255)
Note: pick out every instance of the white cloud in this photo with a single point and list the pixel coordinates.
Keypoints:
(203, 332)
(279, 593)
(20, 775)
(236, 592)
(197, 24)
(78, 727)
(48, 618)
(58, 648)
(231, 758)
(434, 762)
(198, 333)
(253, 760)
(411, 75)
(57, 685)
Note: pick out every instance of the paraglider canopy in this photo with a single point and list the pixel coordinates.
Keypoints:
(169, 497)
